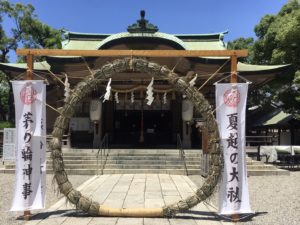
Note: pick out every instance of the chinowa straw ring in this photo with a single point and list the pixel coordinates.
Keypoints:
(90, 83)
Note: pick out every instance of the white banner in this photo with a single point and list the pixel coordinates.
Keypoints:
(231, 100)
(30, 186)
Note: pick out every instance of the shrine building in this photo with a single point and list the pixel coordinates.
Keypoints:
(126, 117)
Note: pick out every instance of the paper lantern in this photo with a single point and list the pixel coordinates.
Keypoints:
(95, 110)
(187, 110)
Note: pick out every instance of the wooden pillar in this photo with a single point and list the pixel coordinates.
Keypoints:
(29, 67)
(29, 58)
(233, 79)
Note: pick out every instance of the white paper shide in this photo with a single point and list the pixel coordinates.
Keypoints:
(30, 186)
(231, 102)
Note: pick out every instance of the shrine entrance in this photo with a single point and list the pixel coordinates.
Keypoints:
(179, 84)
(147, 129)
(137, 125)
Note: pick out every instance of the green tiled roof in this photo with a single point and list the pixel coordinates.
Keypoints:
(87, 41)
(186, 41)
(142, 35)
(281, 116)
(210, 45)
(81, 45)
(243, 67)
(37, 65)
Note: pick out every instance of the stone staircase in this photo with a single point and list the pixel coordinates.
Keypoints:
(259, 168)
(122, 161)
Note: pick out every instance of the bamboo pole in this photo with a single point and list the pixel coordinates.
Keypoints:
(29, 74)
(130, 212)
(233, 80)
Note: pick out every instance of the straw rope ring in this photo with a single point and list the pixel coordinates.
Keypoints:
(83, 89)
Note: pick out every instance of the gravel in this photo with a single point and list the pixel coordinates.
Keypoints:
(274, 199)
(6, 194)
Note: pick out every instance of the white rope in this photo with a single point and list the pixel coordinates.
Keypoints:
(108, 90)
(149, 92)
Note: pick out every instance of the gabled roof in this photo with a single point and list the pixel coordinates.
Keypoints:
(279, 118)
(23, 66)
(90, 41)
(244, 67)
(270, 117)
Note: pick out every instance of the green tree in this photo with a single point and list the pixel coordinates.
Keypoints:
(4, 95)
(27, 31)
(242, 43)
(278, 43)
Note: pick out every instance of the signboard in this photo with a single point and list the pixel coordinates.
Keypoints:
(9, 144)
(231, 102)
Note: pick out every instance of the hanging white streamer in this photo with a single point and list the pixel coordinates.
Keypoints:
(193, 81)
(165, 98)
(67, 87)
(132, 97)
(149, 92)
(117, 97)
(108, 90)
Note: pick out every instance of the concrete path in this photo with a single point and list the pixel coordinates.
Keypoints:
(131, 190)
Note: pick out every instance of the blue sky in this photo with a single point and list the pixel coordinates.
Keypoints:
(171, 16)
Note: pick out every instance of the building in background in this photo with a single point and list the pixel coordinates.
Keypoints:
(130, 117)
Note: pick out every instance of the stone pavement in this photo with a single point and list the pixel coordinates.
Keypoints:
(131, 190)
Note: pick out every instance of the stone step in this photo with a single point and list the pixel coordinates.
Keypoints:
(132, 161)
(261, 167)
(129, 153)
(84, 162)
(253, 162)
(114, 164)
(117, 171)
(120, 166)
(276, 172)
(273, 172)
(130, 158)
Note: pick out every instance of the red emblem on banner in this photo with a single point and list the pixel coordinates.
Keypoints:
(28, 94)
(232, 97)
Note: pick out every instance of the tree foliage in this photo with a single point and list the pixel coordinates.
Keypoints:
(4, 94)
(243, 43)
(26, 31)
(278, 42)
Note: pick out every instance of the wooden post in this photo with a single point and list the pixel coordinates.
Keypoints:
(29, 67)
(233, 79)
(27, 213)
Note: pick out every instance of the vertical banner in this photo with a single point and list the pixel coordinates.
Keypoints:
(30, 185)
(231, 100)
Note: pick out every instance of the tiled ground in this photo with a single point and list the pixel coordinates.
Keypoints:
(126, 191)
